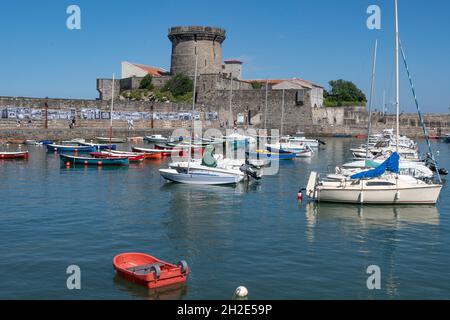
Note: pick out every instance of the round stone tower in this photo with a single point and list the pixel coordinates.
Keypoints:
(205, 42)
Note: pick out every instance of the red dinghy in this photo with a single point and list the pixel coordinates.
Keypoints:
(14, 155)
(149, 271)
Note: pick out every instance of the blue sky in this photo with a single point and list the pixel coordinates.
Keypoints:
(319, 40)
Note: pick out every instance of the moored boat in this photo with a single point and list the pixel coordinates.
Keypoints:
(132, 157)
(156, 138)
(112, 161)
(112, 140)
(150, 153)
(71, 148)
(99, 146)
(149, 271)
(265, 154)
(4, 155)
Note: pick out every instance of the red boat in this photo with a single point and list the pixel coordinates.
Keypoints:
(183, 150)
(14, 155)
(149, 153)
(149, 271)
(106, 154)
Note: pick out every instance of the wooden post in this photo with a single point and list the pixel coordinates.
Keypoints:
(46, 113)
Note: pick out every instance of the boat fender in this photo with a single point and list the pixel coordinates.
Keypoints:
(300, 194)
(156, 270)
(183, 265)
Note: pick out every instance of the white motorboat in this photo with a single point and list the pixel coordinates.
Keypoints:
(299, 137)
(200, 177)
(157, 138)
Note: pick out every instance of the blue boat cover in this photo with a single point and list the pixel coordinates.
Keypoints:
(391, 165)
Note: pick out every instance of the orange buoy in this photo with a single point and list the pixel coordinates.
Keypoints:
(67, 164)
(85, 162)
(99, 163)
(300, 195)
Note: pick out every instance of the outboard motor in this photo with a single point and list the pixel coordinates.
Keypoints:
(431, 164)
(250, 171)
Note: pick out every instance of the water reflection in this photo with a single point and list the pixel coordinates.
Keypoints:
(172, 292)
(373, 216)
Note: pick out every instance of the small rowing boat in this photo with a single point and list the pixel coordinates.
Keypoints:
(265, 154)
(112, 140)
(99, 146)
(14, 155)
(149, 271)
(132, 157)
(151, 153)
(67, 148)
(38, 143)
(157, 138)
(112, 161)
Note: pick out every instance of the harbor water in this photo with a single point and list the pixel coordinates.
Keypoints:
(255, 234)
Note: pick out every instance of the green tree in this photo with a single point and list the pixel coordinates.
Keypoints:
(178, 85)
(344, 93)
(146, 83)
(256, 85)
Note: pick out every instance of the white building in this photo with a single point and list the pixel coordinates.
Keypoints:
(303, 87)
(130, 70)
(232, 68)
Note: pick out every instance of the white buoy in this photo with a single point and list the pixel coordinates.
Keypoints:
(241, 292)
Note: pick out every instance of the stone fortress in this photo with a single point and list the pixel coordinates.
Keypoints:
(297, 103)
(203, 44)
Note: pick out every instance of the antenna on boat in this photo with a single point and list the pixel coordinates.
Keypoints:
(193, 110)
(372, 88)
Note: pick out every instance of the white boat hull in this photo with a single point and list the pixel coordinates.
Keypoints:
(200, 177)
(426, 194)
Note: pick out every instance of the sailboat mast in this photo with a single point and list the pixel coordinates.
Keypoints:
(110, 113)
(397, 86)
(282, 115)
(193, 110)
(265, 107)
(231, 101)
(372, 88)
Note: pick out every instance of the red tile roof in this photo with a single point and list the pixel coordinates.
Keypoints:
(153, 71)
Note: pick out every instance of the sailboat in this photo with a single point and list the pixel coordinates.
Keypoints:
(382, 185)
(205, 173)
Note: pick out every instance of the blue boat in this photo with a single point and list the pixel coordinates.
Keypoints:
(265, 154)
(46, 142)
(86, 161)
(78, 148)
(99, 146)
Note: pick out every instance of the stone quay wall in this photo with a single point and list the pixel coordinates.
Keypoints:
(248, 106)
(24, 118)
